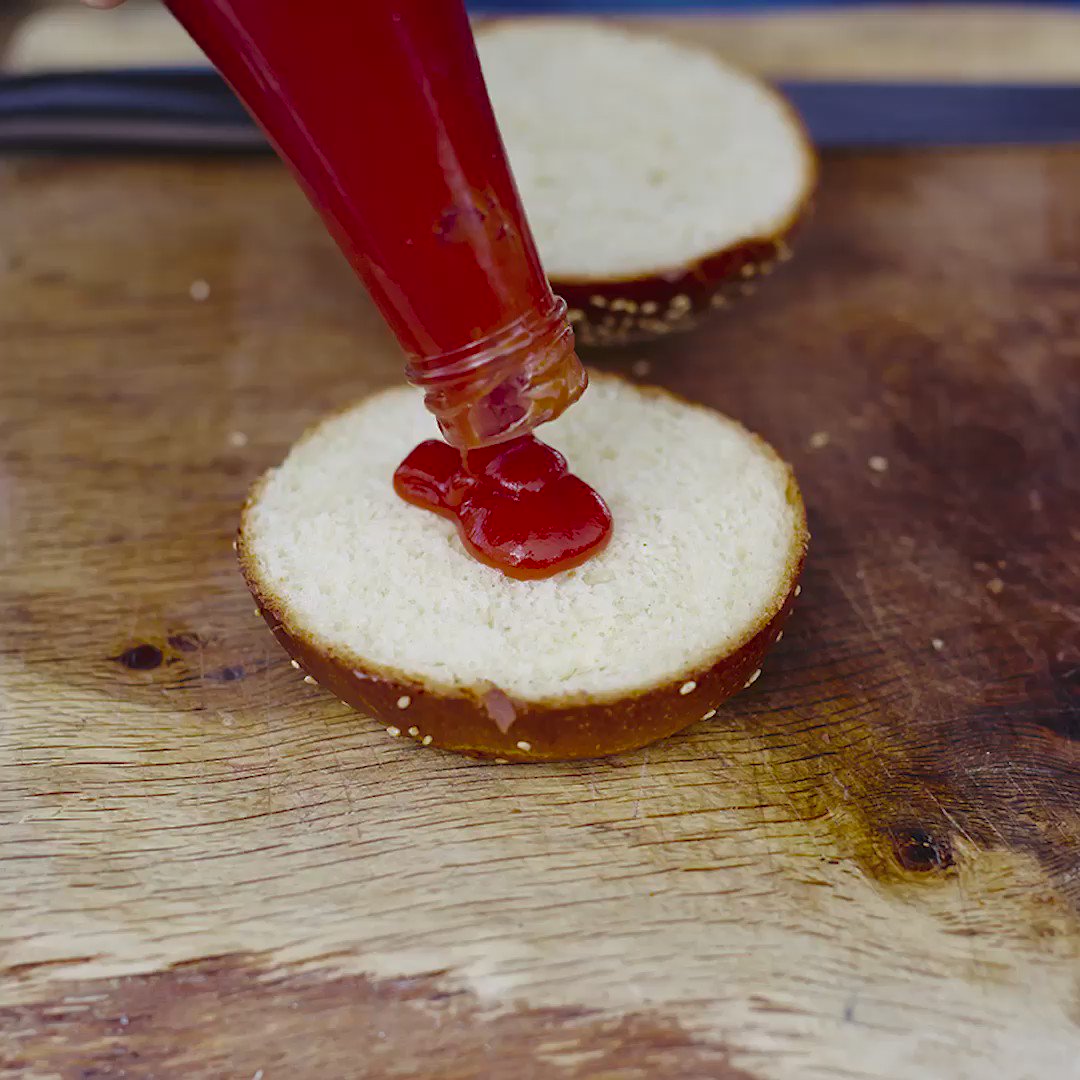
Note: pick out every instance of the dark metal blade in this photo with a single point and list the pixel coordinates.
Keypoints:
(193, 109)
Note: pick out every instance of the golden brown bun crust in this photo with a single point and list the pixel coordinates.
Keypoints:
(555, 733)
(477, 723)
(636, 309)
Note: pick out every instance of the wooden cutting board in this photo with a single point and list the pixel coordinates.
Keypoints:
(868, 865)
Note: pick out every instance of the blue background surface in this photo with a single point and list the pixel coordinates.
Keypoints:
(838, 113)
(674, 6)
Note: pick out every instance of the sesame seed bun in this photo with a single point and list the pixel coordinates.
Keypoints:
(378, 603)
(660, 182)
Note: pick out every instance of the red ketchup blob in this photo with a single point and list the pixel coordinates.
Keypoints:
(517, 507)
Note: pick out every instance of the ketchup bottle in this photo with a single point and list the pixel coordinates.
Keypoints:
(380, 109)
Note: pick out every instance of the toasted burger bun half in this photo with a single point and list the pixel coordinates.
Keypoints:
(659, 181)
(378, 602)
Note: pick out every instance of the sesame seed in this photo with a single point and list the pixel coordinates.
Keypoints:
(523, 745)
(237, 439)
(709, 715)
(309, 679)
(501, 761)
(641, 368)
(258, 613)
(779, 635)
(235, 544)
(404, 701)
(878, 463)
(656, 326)
(395, 731)
(798, 589)
(996, 586)
(680, 302)
(414, 731)
(427, 740)
(295, 664)
(937, 644)
(575, 315)
(718, 300)
(597, 301)
(748, 270)
(199, 290)
(753, 679)
(648, 308)
(819, 439)
(783, 251)
(688, 687)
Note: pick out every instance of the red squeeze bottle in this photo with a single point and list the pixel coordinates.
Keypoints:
(380, 109)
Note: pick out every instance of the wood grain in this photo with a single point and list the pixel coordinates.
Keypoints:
(868, 865)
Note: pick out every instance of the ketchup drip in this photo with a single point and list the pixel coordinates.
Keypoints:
(379, 107)
(517, 507)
